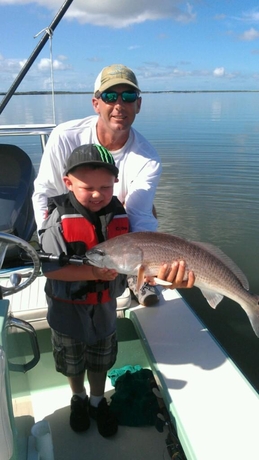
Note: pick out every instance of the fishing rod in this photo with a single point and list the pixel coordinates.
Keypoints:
(63, 259)
(48, 31)
(16, 277)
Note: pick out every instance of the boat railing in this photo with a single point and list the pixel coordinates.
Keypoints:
(42, 130)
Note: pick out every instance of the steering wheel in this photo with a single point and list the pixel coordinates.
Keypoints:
(8, 240)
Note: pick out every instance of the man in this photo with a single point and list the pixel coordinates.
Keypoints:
(116, 101)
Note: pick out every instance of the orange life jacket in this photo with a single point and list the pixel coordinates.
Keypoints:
(77, 229)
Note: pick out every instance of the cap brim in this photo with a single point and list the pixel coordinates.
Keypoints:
(101, 164)
(115, 82)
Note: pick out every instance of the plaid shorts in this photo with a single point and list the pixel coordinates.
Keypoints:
(73, 357)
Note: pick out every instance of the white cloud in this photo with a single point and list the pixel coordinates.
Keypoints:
(219, 72)
(22, 62)
(220, 17)
(133, 47)
(15, 2)
(45, 64)
(251, 15)
(10, 65)
(59, 65)
(249, 35)
(119, 14)
(187, 16)
(62, 57)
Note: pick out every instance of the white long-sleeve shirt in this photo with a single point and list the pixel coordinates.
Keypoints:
(138, 163)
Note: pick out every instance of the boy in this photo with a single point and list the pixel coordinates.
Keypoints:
(82, 299)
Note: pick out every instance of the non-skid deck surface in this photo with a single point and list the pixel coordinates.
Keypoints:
(129, 443)
(50, 398)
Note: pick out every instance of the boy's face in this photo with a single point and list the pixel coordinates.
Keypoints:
(93, 188)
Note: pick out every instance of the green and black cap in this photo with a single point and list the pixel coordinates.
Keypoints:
(91, 154)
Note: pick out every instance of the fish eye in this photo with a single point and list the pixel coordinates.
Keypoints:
(98, 251)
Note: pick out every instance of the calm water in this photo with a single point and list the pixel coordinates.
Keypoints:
(209, 190)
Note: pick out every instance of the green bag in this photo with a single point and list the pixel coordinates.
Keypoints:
(133, 401)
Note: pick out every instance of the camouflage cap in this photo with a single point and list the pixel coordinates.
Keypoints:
(115, 74)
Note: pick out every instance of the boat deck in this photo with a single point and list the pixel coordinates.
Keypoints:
(43, 394)
(212, 406)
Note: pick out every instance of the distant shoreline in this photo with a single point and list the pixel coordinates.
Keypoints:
(40, 93)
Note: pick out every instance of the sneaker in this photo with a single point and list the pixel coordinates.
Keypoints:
(148, 295)
(107, 423)
(79, 416)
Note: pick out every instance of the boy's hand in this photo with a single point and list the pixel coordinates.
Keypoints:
(104, 274)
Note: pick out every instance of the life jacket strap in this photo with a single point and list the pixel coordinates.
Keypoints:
(92, 298)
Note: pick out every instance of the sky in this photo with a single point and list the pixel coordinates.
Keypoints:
(171, 45)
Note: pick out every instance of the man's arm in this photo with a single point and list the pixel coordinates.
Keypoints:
(49, 180)
(140, 198)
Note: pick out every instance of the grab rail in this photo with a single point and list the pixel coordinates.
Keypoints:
(25, 327)
(41, 130)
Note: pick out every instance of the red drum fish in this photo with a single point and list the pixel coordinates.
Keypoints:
(143, 253)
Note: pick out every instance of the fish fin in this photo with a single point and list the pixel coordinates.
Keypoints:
(220, 255)
(141, 275)
(252, 312)
(162, 282)
(213, 298)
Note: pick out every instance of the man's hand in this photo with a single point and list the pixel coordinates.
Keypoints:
(175, 274)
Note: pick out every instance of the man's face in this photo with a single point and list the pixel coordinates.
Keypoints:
(119, 115)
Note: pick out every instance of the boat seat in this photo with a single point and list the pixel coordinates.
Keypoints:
(123, 303)
(37, 316)
(16, 187)
(213, 407)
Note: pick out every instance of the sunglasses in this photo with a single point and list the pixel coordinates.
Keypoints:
(112, 96)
